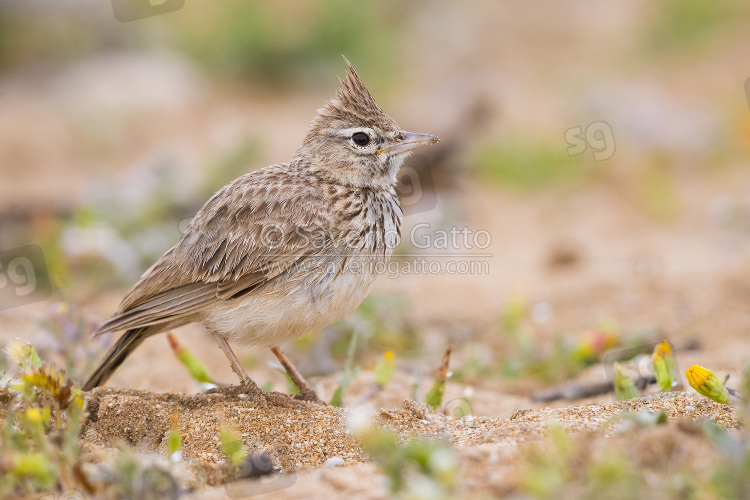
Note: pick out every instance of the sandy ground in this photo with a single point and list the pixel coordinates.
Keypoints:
(301, 437)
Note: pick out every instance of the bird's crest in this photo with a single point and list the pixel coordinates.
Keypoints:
(353, 105)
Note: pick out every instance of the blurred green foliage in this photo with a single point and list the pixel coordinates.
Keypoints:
(525, 163)
(283, 42)
(624, 385)
(546, 468)
(417, 469)
(384, 325)
(730, 478)
(684, 25)
(350, 371)
(620, 465)
(524, 354)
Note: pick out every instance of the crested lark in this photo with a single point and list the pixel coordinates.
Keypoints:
(283, 250)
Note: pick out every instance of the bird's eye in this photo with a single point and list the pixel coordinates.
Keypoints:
(361, 139)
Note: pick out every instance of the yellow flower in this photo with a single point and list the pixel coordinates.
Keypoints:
(34, 414)
(36, 419)
(706, 383)
(664, 366)
(384, 369)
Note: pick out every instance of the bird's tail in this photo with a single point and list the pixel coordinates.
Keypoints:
(116, 355)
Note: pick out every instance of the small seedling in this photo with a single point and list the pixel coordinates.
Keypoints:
(197, 369)
(384, 369)
(349, 372)
(664, 366)
(174, 441)
(434, 396)
(624, 385)
(232, 446)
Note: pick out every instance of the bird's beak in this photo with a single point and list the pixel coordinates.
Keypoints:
(411, 141)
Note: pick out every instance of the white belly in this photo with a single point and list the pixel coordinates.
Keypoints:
(270, 318)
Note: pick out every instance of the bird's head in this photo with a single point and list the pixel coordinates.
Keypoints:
(353, 142)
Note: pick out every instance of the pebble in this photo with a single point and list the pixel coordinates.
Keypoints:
(334, 462)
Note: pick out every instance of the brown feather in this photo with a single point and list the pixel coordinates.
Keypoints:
(263, 260)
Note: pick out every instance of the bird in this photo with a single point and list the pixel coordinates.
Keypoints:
(283, 250)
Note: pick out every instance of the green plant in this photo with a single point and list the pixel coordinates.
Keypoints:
(418, 468)
(39, 444)
(232, 446)
(384, 323)
(39, 450)
(197, 369)
(434, 396)
(689, 24)
(524, 354)
(664, 366)
(624, 385)
(730, 478)
(349, 372)
(547, 468)
(706, 383)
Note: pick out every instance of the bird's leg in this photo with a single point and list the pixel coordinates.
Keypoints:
(250, 387)
(306, 392)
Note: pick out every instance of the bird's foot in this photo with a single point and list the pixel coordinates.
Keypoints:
(246, 390)
(306, 392)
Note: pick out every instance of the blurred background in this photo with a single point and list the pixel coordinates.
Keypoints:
(602, 148)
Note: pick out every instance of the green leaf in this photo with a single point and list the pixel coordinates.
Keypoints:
(338, 397)
(232, 446)
(384, 369)
(624, 385)
(174, 442)
(434, 397)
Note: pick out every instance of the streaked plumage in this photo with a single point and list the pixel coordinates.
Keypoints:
(283, 250)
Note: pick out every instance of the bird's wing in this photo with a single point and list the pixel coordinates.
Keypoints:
(249, 232)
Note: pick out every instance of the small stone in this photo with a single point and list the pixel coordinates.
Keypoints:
(334, 462)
